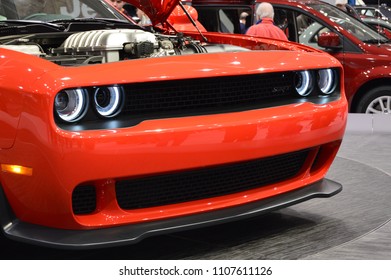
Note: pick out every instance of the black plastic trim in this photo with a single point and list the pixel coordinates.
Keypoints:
(6, 213)
(129, 234)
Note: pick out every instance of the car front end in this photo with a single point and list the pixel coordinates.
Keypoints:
(105, 147)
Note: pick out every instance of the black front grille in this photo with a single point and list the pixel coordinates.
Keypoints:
(207, 94)
(208, 182)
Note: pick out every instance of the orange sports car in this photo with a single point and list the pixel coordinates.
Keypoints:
(112, 131)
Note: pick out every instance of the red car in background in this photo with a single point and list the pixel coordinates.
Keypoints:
(364, 53)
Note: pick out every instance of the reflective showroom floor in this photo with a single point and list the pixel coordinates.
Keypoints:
(354, 224)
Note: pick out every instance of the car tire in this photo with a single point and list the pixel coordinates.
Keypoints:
(376, 101)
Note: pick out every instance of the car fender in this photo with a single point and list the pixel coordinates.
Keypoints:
(18, 72)
(368, 78)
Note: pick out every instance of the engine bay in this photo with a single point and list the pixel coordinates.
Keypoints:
(109, 45)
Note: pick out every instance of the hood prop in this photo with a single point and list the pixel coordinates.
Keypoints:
(192, 21)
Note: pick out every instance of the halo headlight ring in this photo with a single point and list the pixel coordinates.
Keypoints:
(71, 105)
(108, 101)
(327, 81)
(304, 82)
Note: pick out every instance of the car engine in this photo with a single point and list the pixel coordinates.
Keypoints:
(110, 45)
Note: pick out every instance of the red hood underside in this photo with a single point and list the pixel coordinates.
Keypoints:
(157, 10)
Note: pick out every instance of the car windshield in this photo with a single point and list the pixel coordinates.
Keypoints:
(354, 26)
(54, 10)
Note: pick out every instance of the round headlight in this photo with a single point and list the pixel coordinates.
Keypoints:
(326, 80)
(303, 83)
(71, 104)
(108, 101)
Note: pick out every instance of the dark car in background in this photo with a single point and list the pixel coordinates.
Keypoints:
(364, 52)
(376, 2)
(374, 11)
(382, 26)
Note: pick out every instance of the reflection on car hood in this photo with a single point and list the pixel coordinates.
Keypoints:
(157, 10)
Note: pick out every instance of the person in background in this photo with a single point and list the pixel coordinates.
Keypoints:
(341, 4)
(119, 4)
(345, 6)
(144, 19)
(130, 10)
(243, 19)
(265, 24)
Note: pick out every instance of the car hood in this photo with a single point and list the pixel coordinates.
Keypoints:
(157, 10)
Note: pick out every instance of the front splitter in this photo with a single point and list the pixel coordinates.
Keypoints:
(130, 234)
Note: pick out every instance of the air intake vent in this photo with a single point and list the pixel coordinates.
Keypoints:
(208, 182)
(84, 200)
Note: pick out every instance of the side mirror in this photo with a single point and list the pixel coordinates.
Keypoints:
(329, 40)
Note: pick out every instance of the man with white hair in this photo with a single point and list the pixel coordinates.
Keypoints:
(341, 4)
(345, 6)
(265, 23)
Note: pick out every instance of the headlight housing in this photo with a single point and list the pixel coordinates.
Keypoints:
(327, 81)
(108, 101)
(71, 104)
(304, 82)
(316, 82)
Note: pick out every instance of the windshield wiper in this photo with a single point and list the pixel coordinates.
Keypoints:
(105, 20)
(114, 23)
(15, 27)
(20, 22)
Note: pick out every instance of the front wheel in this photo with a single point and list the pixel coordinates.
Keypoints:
(376, 101)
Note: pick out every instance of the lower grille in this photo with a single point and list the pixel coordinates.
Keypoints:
(83, 200)
(208, 182)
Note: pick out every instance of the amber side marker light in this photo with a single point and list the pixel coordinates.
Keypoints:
(17, 169)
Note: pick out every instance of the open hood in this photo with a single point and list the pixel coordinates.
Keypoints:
(157, 10)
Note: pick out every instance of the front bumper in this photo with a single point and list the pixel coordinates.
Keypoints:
(128, 234)
(62, 161)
